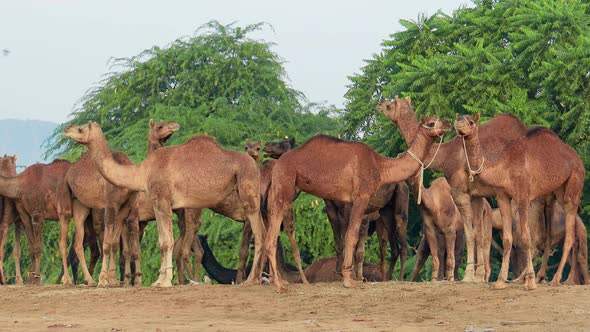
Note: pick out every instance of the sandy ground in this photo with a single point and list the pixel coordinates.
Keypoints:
(391, 306)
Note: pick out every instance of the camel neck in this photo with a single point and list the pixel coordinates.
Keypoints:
(127, 176)
(398, 169)
(474, 155)
(153, 145)
(10, 186)
(214, 269)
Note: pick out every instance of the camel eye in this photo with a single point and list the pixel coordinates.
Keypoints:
(160, 127)
(80, 130)
(431, 124)
(246, 148)
(471, 123)
(258, 149)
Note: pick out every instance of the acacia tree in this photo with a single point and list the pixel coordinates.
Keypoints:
(525, 57)
(220, 82)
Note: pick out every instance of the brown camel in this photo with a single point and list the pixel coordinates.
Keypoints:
(35, 193)
(538, 234)
(388, 208)
(84, 188)
(9, 216)
(158, 134)
(343, 171)
(453, 164)
(536, 165)
(181, 177)
(323, 269)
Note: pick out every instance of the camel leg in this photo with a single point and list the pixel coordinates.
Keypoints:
(289, 227)
(335, 222)
(64, 226)
(18, 229)
(421, 257)
(463, 202)
(382, 236)
(548, 216)
(196, 246)
(94, 249)
(135, 249)
(120, 218)
(277, 204)
(573, 277)
(37, 221)
(178, 245)
(244, 252)
(3, 235)
(109, 225)
(477, 209)
(187, 242)
(402, 230)
(80, 214)
(163, 212)
(26, 222)
(450, 237)
(125, 255)
(583, 251)
(570, 219)
(430, 233)
(351, 238)
(506, 213)
(360, 249)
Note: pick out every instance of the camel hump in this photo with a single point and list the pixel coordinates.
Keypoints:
(538, 130)
(121, 158)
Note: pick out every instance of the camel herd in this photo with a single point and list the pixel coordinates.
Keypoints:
(535, 178)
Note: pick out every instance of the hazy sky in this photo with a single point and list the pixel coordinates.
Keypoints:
(59, 48)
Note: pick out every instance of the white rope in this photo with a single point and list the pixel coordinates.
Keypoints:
(472, 172)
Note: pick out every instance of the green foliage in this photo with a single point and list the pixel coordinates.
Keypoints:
(527, 57)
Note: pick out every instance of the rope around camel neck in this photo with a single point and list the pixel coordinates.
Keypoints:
(422, 168)
(472, 172)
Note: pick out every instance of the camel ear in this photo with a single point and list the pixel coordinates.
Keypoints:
(292, 141)
(151, 122)
(14, 157)
(408, 98)
(422, 119)
(476, 117)
(456, 116)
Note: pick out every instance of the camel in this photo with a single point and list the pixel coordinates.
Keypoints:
(453, 164)
(196, 174)
(84, 188)
(350, 172)
(388, 209)
(9, 216)
(323, 269)
(538, 234)
(535, 165)
(35, 193)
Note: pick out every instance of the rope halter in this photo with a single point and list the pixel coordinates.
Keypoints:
(422, 167)
(483, 160)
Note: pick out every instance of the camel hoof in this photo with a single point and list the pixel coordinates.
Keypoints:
(66, 281)
(499, 285)
(569, 282)
(114, 283)
(137, 281)
(162, 284)
(19, 281)
(529, 284)
(554, 282)
(468, 278)
(349, 283)
(91, 283)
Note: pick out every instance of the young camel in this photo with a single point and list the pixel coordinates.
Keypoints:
(536, 165)
(9, 216)
(181, 177)
(454, 166)
(35, 193)
(343, 171)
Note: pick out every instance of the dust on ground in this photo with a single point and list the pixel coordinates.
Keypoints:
(390, 306)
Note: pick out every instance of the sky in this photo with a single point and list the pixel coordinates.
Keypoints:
(58, 49)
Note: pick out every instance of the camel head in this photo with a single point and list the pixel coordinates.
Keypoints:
(466, 125)
(8, 164)
(162, 130)
(253, 149)
(394, 109)
(276, 149)
(433, 126)
(83, 134)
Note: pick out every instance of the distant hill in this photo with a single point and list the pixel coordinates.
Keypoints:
(24, 138)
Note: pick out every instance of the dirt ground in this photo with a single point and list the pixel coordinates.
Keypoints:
(391, 306)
